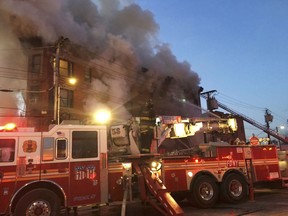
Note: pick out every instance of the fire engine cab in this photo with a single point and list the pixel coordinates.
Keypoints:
(42, 171)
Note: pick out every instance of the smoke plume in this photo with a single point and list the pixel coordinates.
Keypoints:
(119, 31)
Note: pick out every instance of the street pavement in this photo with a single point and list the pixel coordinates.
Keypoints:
(266, 202)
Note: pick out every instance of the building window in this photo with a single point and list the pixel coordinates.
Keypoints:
(88, 75)
(66, 98)
(65, 68)
(36, 63)
(34, 94)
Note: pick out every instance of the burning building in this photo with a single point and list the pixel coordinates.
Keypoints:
(111, 49)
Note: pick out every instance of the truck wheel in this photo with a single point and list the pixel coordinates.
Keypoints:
(205, 192)
(38, 202)
(234, 188)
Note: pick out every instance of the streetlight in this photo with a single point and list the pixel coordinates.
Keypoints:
(102, 116)
(72, 80)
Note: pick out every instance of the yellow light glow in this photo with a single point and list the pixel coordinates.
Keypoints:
(72, 81)
(10, 126)
(190, 174)
(102, 116)
(155, 165)
(232, 123)
(179, 130)
(127, 166)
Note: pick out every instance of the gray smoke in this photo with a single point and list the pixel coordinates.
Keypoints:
(120, 32)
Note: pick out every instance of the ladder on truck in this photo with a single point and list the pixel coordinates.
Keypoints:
(153, 191)
(251, 121)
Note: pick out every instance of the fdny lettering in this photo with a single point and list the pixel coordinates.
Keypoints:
(232, 163)
(85, 172)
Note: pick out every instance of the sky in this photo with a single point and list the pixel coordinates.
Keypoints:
(239, 48)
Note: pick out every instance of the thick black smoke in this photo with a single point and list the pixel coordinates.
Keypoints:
(122, 33)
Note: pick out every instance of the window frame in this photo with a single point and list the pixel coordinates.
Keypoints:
(81, 144)
(65, 150)
(66, 101)
(4, 145)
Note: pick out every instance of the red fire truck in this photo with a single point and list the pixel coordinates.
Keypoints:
(233, 170)
(75, 165)
(199, 173)
(44, 172)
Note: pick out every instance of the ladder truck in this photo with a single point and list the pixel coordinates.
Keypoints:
(199, 172)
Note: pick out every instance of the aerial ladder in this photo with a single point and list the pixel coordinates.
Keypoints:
(264, 128)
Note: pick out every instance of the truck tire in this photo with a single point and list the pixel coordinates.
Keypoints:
(205, 192)
(234, 188)
(38, 202)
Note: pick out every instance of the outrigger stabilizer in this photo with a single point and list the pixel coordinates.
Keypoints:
(152, 190)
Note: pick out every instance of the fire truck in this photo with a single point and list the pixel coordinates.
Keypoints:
(200, 172)
(74, 165)
(42, 173)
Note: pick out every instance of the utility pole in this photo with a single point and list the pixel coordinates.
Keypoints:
(56, 80)
(268, 118)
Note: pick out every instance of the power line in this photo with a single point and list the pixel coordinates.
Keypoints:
(237, 102)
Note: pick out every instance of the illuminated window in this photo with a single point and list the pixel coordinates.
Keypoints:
(65, 68)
